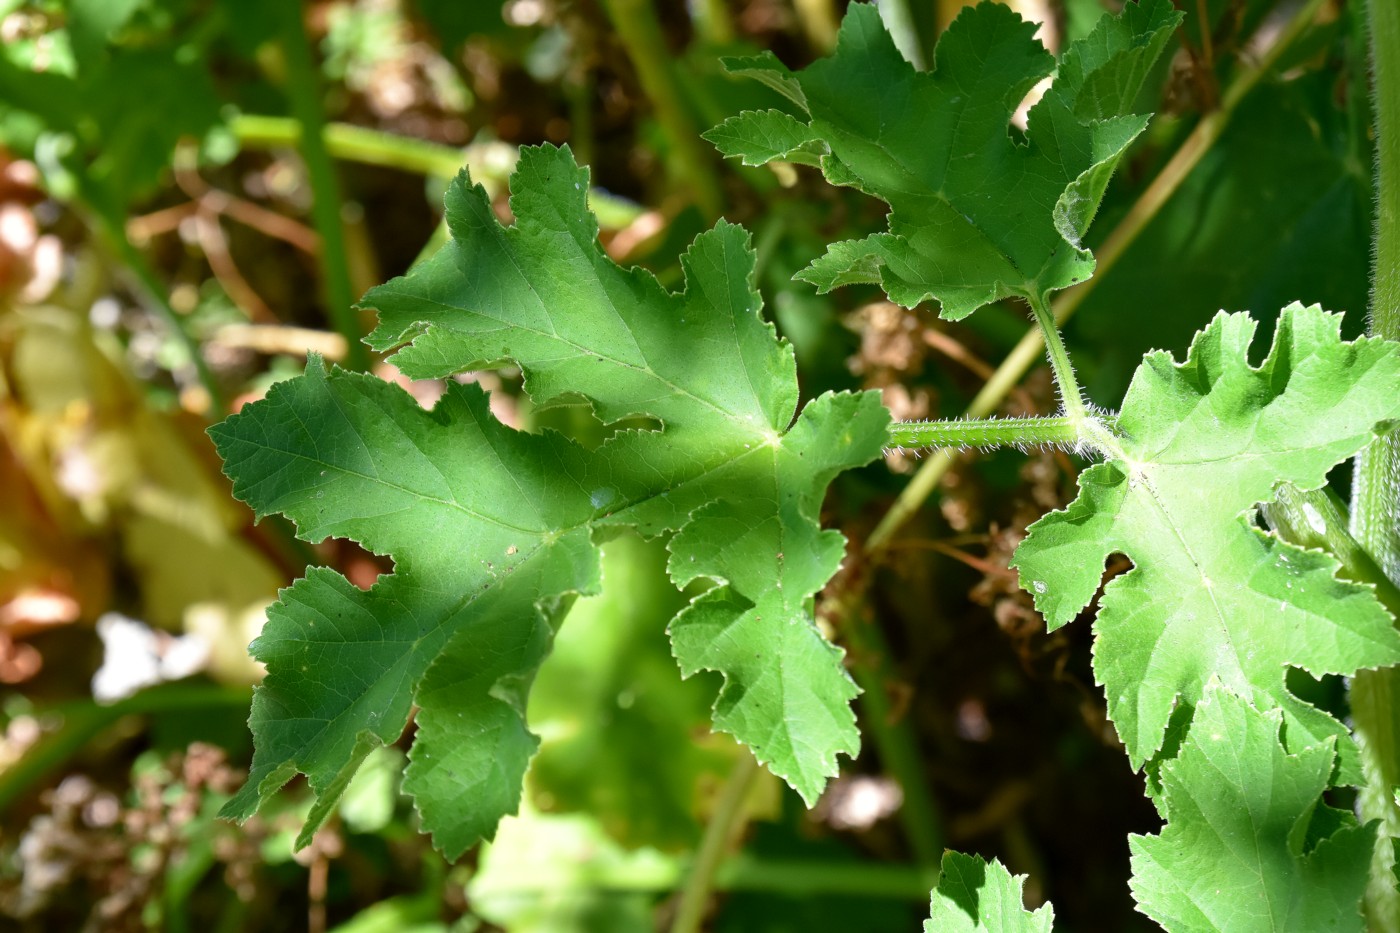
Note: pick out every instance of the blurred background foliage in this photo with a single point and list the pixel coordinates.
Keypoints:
(192, 193)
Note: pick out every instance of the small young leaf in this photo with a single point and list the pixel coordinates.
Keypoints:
(491, 528)
(976, 895)
(975, 214)
(1239, 851)
(1210, 594)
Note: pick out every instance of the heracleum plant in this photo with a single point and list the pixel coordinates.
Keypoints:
(493, 531)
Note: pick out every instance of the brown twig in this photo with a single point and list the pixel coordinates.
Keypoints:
(215, 245)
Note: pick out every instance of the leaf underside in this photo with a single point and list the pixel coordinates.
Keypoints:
(975, 895)
(492, 529)
(976, 214)
(1210, 594)
(1249, 845)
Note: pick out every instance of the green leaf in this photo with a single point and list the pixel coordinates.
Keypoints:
(1238, 852)
(760, 136)
(491, 529)
(1210, 594)
(705, 365)
(466, 506)
(619, 729)
(1275, 209)
(976, 215)
(977, 895)
(547, 873)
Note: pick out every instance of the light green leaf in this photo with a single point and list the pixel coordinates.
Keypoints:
(976, 215)
(759, 136)
(553, 873)
(1239, 851)
(620, 732)
(976, 895)
(492, 529)
(1210, 594)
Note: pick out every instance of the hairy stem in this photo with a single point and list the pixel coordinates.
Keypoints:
(1375, 512)
(1144, 209)
(304, 93)
(1071, 396)
(986, 432)
(1377, 500)
(719, 832)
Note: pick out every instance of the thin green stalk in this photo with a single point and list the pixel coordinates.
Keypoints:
(1144, 209)
(985, 432)
(819, 23)
(375, 147)
(728, 817)
(355, 144)
(925, 480)
(640, 32)
(713, 22)
(304, 93)
(1071, 396)
(1375, 512)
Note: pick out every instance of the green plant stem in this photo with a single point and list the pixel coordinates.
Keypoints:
(389, 150)
(355, 144)
(304, 93)
(1377, 497)
(1071, 396)
(1202, 137)
(1375, 512)
(985, 432)
(819, 23)
(719, 833)
(637, 27)
(713, 22)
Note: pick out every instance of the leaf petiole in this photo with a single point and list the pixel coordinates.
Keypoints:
(1071, 396)
(985, 432)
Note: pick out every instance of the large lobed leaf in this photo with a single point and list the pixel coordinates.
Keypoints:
(491, 529)
(1249, 844)
(1210, 594)
(975, 214)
